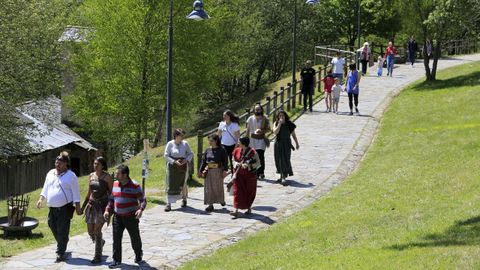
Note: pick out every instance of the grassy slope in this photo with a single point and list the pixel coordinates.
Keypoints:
(154, 188)
(412, 204)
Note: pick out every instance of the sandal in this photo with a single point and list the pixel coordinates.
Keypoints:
(234, 215)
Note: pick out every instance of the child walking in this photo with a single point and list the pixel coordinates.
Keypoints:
(328, 82)
(380, 66)
(336, 89)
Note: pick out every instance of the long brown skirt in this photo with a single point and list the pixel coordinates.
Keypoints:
(213, 190)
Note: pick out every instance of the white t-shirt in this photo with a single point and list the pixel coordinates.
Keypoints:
(53, 192)
(175, 151)
(338, 64)
(254, 124)
(228, 132)
(336, 90)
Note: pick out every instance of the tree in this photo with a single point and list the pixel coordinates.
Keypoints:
(31, 62)
(439, 21)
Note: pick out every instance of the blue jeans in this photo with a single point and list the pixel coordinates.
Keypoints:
(339, 76)
(390, 62)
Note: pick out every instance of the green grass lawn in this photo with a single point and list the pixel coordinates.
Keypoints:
(412, 204)
(154, 191)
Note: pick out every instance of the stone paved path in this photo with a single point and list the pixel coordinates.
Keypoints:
(331, 147)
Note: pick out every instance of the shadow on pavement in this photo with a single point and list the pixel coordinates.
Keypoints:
(262, 218)
(191, 210)
(294, 183)
(83, 261)
(462, 233)
(264, 208)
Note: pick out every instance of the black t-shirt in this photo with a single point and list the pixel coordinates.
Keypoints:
(308, 76)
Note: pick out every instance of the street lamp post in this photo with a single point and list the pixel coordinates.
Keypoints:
(358, 35)
(294, 45)
(198, 14)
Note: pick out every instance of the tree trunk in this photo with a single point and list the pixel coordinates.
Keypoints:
(426, 62)
(261, 70)
(436, 56)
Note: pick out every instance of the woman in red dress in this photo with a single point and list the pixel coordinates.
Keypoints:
(244, 179)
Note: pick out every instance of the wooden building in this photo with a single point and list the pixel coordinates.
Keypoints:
(47, 138)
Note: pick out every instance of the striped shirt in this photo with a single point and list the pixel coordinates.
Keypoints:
(126, 199)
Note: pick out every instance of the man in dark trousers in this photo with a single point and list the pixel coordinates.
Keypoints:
(127, 204)
(307, 85)
(62, 194)
(412, 50)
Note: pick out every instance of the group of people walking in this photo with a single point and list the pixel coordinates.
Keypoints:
(333, 82)
(122, 199)
(228, 153)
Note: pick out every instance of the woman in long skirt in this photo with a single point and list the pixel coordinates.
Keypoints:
(283, 129)
(99, 189)
(178, 154)
(244, 179)
(214, 169)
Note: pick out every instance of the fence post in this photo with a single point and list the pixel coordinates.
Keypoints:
(319, 80)
(294, 95)
(289, 97)
(275, 95)
(282, 97)
(199, 149)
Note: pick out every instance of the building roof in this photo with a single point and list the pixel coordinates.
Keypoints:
(75, 33)
(47, 131)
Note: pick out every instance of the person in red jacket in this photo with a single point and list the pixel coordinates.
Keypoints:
(328, 82)
(390, 56)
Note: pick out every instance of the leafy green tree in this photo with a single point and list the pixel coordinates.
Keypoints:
(439, 21)
(31, 61)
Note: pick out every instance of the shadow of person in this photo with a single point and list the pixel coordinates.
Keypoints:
(191, 210)
(462, 233)
(86, 262)
(141, 266)
(294, 183)
(264, 208)
(262, 218)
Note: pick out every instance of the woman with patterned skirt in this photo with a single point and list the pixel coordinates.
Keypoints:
(99, 190)
(214, 169)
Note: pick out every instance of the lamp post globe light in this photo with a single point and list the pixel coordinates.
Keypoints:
(197, 14)
(294, 54)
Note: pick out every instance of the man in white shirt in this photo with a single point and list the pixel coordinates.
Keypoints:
(60, 190)
(338, 64)
(257, 127)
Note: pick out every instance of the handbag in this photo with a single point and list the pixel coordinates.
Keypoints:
(265, 127)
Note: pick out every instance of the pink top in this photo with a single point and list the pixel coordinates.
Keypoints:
(390, 51)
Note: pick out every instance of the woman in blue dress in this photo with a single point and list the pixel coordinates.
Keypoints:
(353, 80)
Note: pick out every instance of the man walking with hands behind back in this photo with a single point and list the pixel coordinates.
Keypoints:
(61, 190)
(307, 85)
(127, 204)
